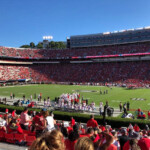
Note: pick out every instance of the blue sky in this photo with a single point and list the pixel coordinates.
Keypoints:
(25, 21)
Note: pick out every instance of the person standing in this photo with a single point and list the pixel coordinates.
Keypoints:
(13, 95)
(128, 106)
(72, 121)
(31, 97)
(24, 122)
(100, 108)
(125, 108)
(92, 122)
(50, 122)
(34, 95)
(10, 95)
(40, 122)
(120, 107)
(48, 102)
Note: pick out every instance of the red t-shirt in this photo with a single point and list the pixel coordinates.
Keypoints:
(69, 129)
(102, 128)
(112, 147)
(69, 145)
(92, 123)
(136, 128)
(13, 113)
(72, 122)
(144, 144)
(39, 119)
(126, 146)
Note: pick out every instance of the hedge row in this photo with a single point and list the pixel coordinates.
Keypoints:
(61, 115)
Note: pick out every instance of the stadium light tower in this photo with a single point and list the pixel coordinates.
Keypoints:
(46, 40)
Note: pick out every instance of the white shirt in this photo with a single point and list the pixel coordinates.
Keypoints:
(50, 123)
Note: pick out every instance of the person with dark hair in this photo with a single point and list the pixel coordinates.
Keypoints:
(90, 132)
(92, 122)
(128, 106)
(120, 107)
(123, 138)
(72, 139)
(40, 122)
(13, 95)
(64, 131)
(72, 121)
(24, 122)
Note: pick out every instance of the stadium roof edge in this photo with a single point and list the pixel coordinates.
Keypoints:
(113, 32)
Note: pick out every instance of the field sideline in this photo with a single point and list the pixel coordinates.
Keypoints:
(92, 93)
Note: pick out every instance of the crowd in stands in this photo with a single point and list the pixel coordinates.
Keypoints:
(137, 73)
(14, 72)
(82, 52)
(129, 73)
(41, 132)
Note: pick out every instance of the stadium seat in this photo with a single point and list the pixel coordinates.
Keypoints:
(30, 139)
(9, 138)
(2, 136)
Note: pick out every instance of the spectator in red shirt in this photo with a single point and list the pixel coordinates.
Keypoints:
(102, 127)
(136, 128)
(92, 123)
(72, 139)
(40, 122)
(144, 144)
(13, 113)
(72, 121)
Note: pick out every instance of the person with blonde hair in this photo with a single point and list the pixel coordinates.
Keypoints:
(49, 141)
(84, 143)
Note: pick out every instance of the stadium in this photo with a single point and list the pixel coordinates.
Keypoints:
(109, 67)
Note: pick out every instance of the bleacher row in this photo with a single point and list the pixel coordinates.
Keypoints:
(82, 52)
(27, 137)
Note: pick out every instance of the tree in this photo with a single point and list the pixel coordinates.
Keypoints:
(52, 44)
(32, 45)
(39, 45)
(25, 46)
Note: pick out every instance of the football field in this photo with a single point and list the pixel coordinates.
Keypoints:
(138, 98)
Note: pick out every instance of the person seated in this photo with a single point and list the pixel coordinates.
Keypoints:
(14, 127)
(31, 105)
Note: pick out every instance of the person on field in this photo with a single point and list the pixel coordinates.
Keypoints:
(120, 107)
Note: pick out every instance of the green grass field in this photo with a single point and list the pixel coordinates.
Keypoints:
(92, 93)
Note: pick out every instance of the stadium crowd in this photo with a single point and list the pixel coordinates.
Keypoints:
(128, 73)
(136, 73)
(41, 132)
(68, 53)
